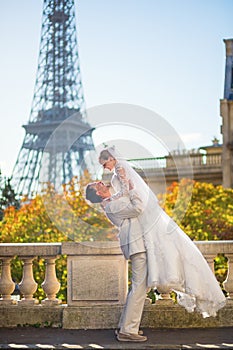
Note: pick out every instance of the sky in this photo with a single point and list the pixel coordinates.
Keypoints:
(167, 56)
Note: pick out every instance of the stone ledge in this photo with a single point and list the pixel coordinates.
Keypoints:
(208, 248)
(30, 249)
(91, 248)
(37, 316)
(107, 316)
(94, 317)
(175, 316)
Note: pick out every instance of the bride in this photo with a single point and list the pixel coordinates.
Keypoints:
(174, 263)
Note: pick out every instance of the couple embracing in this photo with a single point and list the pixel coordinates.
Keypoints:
(161, 254)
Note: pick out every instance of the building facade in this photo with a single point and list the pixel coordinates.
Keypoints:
(226, 111)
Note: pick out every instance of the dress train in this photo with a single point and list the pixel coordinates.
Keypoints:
(176, 264)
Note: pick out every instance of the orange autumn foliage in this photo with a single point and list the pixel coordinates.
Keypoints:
(54, 217)
(209, 214)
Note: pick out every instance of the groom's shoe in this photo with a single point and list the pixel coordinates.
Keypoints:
(130, 337)
(140, 332)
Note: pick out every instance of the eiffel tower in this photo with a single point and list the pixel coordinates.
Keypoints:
(57, 134)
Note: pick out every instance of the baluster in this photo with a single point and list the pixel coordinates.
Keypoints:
(51, 285)
(7, 286)
(165, 295)
(28, 286)
(228, 283)
(210, 259)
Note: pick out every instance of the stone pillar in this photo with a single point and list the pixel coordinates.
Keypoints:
(7, 286)
(227, 132)
(28, 286)
(97, 284)
(96, 273)
(226, 111)
(51, 285)
(165, 296)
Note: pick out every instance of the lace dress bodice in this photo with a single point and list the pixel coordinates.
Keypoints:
(120, 182)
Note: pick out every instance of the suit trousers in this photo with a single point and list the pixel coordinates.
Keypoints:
(132, 312)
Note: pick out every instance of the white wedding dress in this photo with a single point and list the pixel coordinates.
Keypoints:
(174, 262)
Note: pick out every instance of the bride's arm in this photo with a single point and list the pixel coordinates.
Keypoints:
(124, 182)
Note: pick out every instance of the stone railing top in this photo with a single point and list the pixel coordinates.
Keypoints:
(215, 247)
(30, 249)
(94, 248)
(91, 248)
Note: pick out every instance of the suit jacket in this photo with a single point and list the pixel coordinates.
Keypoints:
(124, 213)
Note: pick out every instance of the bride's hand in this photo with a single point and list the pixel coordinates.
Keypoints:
(131, 186)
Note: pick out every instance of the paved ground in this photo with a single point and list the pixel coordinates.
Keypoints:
(56, 338)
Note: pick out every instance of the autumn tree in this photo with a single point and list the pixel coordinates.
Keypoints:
(54, 217)
(209, 214)
(8, 196)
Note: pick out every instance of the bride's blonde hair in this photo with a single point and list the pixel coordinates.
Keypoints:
(105, 154)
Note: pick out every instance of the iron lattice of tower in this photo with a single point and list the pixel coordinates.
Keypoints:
(57, 134)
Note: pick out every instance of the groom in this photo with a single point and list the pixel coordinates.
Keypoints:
(123, 213)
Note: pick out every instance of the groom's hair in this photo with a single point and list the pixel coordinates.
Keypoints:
(91, 194)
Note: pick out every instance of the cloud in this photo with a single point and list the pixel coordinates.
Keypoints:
(5, 168)
(191, 137)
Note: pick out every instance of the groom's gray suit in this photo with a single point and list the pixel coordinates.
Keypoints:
(124, 213)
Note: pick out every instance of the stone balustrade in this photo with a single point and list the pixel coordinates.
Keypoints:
(195, 159)
(161, 172)
(97, 276)
(99, 263)
(210, 249)
(27, 252)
